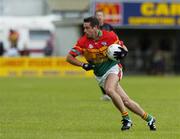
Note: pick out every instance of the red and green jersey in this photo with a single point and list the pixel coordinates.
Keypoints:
(95, 51)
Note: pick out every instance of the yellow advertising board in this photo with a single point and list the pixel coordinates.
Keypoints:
(40, 67)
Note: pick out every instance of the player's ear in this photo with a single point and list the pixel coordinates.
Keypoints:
(97, 27)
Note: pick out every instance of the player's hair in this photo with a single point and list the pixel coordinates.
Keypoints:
(92, 20)
(99, 10)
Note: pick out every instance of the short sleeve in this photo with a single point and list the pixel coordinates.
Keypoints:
(77, 49)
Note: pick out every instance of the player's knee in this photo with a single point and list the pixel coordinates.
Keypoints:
(109, 90)
(127, 102)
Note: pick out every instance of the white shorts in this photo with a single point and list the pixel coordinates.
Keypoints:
(116, 69)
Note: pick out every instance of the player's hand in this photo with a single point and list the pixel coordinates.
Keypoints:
(88, 66)
(120, 55)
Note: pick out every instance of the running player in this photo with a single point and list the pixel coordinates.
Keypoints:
(93, 46)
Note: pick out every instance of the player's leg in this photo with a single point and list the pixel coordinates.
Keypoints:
(135, 107)
(104, 96)
(129, 103)
(110, 86)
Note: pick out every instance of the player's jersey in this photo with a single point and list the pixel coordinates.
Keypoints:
(95, 51)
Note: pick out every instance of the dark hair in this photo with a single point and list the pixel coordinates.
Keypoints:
(92, 20)
(99, 10)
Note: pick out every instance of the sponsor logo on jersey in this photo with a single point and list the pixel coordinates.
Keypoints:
(104, 43)
(90, 46)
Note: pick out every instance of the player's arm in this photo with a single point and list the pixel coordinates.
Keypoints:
(74, 61)
(71, 58)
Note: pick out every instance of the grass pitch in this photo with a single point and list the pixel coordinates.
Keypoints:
(70, 108)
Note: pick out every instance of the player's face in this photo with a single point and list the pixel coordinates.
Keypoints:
(89, 30)
(100, 17)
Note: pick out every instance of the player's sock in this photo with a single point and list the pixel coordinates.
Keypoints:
(125, 115)
(147, 117)
(151, 121)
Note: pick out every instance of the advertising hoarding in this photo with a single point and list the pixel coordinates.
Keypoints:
(40, 67)
(140, 14)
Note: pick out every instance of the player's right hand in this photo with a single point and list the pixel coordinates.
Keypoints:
(121, 54)
(88, 66)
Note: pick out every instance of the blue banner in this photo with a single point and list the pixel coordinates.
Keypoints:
(151, 14)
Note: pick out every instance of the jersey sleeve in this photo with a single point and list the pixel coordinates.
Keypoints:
(77, 49)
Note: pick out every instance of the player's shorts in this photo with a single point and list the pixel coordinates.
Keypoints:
(116, 69)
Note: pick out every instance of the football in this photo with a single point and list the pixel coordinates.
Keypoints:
(111, 49)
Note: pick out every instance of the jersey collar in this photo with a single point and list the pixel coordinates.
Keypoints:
(99, 34)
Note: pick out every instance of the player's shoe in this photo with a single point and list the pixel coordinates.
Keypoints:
(152, 125)
(126, 124)
(105, 98)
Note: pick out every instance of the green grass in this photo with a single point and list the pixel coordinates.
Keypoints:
(70, 108)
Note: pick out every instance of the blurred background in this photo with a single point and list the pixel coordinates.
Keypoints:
(36, 35)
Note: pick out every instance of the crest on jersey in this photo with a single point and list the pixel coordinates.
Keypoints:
(90, 46)
(104, 43)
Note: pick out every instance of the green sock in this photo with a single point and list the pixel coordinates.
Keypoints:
(147, 117)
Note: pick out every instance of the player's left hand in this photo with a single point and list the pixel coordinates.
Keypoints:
(120, 54)
(88, 66)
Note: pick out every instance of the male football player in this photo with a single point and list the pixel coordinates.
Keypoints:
(93, 46)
